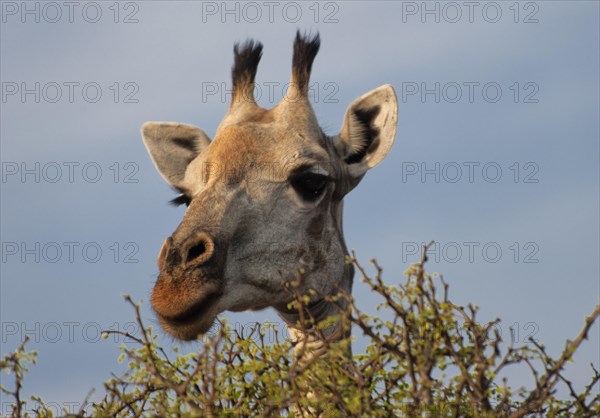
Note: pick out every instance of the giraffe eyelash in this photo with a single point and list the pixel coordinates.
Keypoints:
(182, 199)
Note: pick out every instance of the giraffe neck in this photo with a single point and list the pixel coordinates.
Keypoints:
(309, 339)
(309, 342)
(309, 345)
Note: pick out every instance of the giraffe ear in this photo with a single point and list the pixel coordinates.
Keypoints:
(172, 146)
(369, 130)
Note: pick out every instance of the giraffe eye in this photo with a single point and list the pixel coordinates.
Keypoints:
(309, 185)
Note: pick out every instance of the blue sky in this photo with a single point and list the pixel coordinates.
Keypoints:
(541, 209)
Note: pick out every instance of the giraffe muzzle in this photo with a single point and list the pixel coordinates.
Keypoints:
(188, 286)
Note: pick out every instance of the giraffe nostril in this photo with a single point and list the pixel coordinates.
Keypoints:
(198, 250)
(195, 252)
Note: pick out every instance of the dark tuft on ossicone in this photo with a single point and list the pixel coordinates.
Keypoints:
(246, 59)
(306, 48)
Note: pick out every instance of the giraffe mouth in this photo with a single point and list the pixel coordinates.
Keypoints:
(193, 322)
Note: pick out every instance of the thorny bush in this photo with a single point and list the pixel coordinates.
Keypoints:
(431, 358)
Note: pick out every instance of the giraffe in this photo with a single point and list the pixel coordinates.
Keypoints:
(264, 200)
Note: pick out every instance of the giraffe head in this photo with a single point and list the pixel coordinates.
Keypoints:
(264, 197)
